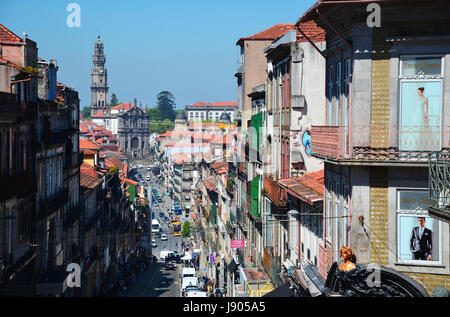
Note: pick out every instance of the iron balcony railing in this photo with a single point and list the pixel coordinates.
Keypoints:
(48, 206)
(439, 179)
(379, 142)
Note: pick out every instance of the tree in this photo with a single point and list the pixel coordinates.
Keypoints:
(154, 114)
(86, 112)
(114, 100)
(166, 105)
(186, 229)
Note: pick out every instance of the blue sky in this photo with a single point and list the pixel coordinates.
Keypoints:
(186, 47)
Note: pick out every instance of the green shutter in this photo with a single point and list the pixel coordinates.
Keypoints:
(257, 125)
(254, 210)
(214, 214)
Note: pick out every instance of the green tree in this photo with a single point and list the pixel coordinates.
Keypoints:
(86, 112)
(166, 105)
(114, 100)
(186, 229)
(166, 125)
(154, 114)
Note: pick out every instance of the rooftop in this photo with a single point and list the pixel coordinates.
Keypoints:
(86, 144)
(123, 106)
(271, 33)
(308, 187)
(7, 35)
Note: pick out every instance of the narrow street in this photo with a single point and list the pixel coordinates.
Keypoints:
(156, 282)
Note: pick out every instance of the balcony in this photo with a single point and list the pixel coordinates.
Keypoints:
(9, 102)
(71, 216)
(274, 192)
(439, 182)
(379, 143)
(21, 183)
(50, 205)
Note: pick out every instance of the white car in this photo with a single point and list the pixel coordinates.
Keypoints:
(153, 243)
(163, 237)
(188, 281)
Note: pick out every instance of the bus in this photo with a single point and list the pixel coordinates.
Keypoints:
(156, 227)
(176, 228)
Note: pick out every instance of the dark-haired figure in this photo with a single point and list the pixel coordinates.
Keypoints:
(421, 242)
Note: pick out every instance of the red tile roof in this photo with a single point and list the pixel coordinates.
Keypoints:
(225, 103)
(99, 114)
(312, 31)
(7, 35)
(272, 33)
(199, 103)
(175, 133)
(123, 106)
(210, 183)
(220, 167)
(309, 187)
(89, 181)
(83, 128)
(86, 144)
(112, 161)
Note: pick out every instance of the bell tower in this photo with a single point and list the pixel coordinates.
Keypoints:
(99, 80)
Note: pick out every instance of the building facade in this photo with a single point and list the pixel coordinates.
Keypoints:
(202, 111)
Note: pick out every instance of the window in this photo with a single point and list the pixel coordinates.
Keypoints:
(421, 79)
(419, 237)
(328, 218)
(338, 94)
(330, 96)
(345, 218)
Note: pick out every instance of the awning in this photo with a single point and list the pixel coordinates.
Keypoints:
(232, 266)
(186, 257)
(281, 291)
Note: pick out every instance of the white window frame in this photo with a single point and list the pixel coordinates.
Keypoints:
(399, 213)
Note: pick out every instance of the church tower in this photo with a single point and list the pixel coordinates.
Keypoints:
(99, 80)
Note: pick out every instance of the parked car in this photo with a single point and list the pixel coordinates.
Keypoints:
(169, 266)
(161, 214)
(153, 243)
(193, 291)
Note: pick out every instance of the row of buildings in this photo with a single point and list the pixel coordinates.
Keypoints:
(63, 199)
(343, 140)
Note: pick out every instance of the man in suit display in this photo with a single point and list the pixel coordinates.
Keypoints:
(420, 242)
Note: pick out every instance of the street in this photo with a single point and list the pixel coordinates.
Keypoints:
(156, 282)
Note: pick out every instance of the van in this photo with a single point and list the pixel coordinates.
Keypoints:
(164, 254)
(189, 281)
(187, 272)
